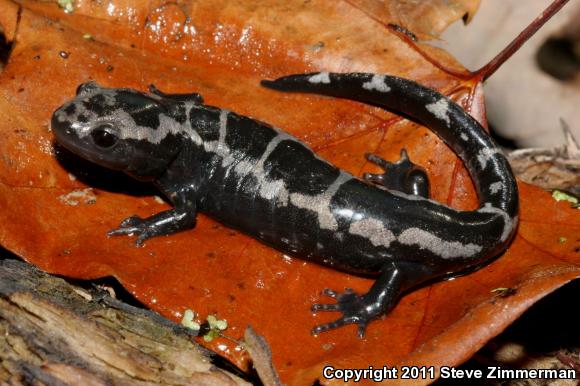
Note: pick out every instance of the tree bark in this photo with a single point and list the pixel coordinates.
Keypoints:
(54, 333)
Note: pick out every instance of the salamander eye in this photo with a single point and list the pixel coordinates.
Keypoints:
(104, 137)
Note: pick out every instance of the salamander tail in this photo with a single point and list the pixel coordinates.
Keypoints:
(487, 165)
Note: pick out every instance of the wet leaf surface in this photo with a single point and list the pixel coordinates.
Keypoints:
(55, 209)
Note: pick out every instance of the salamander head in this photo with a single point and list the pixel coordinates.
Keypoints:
(120, 129)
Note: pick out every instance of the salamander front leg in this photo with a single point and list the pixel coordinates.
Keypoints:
(361, 309)
(182, 217)
(402, 175)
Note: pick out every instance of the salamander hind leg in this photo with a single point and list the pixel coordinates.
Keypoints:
(361, 309)
(402, 175)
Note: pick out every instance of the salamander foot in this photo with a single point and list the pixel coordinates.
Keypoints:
(135, 225)
(402, 175)
(354, 309)
(162, 223)
(380, 299)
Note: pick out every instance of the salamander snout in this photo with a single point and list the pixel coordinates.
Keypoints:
(62, 126)
(94, 140)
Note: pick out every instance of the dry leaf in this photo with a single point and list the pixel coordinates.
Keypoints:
(222, 49)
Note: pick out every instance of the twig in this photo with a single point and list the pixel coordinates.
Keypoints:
(486, 71)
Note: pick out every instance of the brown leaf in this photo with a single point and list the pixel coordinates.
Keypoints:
(222, 49)
(426, 19)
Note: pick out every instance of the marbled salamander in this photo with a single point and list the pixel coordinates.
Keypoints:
(266, 183)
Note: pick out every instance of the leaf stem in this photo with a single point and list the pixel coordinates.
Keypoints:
(490, 68)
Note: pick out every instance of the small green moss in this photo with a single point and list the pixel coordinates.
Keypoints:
(221, 325)
(211, 335)
(560, 195)
(562, 240)
(216, 326)
(66, 5)
(188, 320)
(211, 319)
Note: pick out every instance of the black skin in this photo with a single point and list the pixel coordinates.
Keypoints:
(394, 279)
(195, 178)
(406, 177)
(184, 212)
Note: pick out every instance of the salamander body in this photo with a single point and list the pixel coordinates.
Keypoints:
(266, 183)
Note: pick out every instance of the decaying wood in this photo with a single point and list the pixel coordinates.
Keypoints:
(54, 333)
(550, 168)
